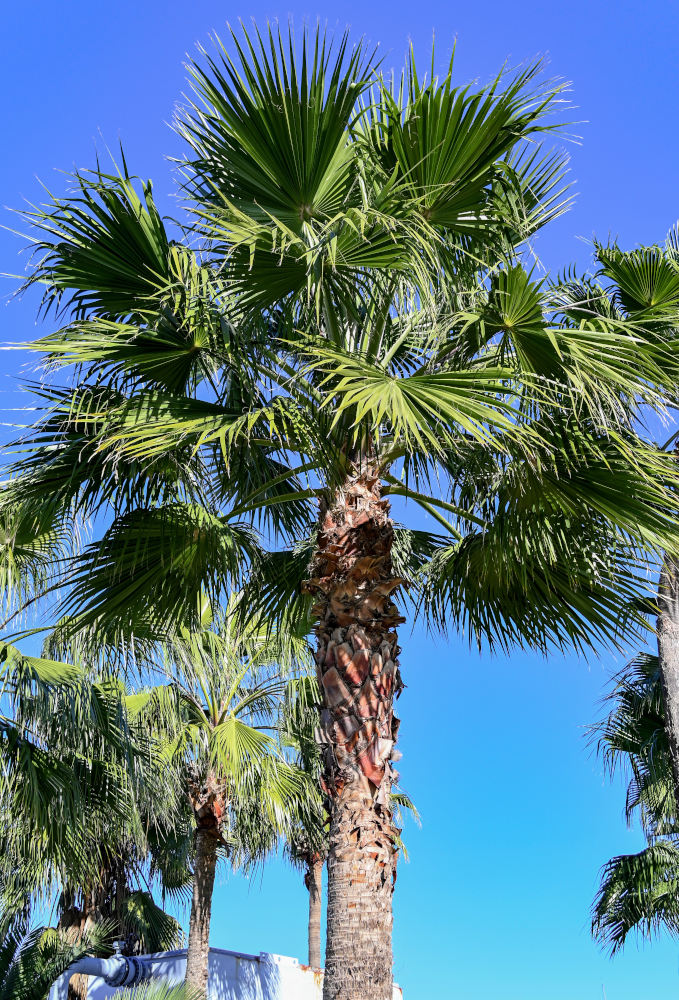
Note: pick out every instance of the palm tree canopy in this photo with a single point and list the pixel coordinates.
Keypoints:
(357, 285)
(217, 721)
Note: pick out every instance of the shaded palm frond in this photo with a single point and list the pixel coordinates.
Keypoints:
(638, 894)
(158, 991)
(146, 575)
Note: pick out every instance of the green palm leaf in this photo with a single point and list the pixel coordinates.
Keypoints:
(270, 133)
(154, 929)
(423, 411)
(105, 246)
(146, 575)
(446, 145)
(29, 965)
(638, 893)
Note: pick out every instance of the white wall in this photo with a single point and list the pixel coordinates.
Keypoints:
(234, 976)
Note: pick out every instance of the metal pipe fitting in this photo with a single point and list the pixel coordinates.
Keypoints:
(118, 970)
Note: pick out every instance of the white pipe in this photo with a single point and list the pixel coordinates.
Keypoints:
(115, 971)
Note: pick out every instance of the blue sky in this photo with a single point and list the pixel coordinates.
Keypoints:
(517, 816)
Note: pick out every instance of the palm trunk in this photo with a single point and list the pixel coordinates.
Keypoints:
(201, 909)
(358, 671)
(78, 988)
(314, 883)
(668, 657)
(72, 922)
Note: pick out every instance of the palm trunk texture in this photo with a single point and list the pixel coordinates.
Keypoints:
(201, 910)
(314, 883)
(353, 581)
(72, 922)
(668, 657)
(78, 988)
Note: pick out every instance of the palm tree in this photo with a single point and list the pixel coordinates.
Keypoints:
(640, 892)
(304, 853)
(357, 326)
(84, 807)
(641, 288)
(646, 290)
(217, 718)
(30, 961)
(306, 842)
(56, 731)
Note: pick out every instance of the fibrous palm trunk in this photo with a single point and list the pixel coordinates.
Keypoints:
(78, 987)
(74, 921)
(353, 580)
(314, 883)
(668, 656)
(201, 910)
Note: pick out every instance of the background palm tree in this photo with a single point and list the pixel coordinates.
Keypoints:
(235, 673)
(217, 720)
(86, 808)
(31, 961)
(640, 892)
(357, 326)
(204, 736)
(306, 841)
(641, 289)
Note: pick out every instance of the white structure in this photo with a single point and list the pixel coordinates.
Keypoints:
(234, 976)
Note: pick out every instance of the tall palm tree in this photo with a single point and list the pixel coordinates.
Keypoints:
(357, 326)
(640, 892)
(217, 719)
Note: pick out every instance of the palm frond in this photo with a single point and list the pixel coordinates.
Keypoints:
(638, 894)
(146, 575)
(153, 929)
(32, 964)
(104, 248)
(269, 130)
(452, 148)
(34, 542)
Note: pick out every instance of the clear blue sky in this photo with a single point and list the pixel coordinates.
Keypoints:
(517, 817)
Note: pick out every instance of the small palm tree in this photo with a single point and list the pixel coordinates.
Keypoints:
(217, 719)
(306, 842)
(31, 961)
(80, 822)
